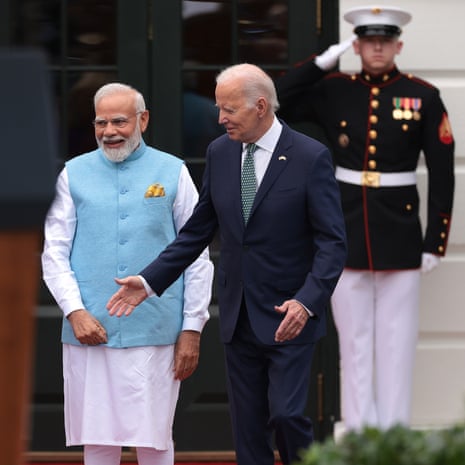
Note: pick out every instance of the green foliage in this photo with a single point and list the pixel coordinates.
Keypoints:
(397, 446)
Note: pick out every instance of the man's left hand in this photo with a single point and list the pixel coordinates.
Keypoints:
(186, 354)
(293, 322)
(429, 262)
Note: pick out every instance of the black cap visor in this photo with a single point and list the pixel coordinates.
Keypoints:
(378, 30)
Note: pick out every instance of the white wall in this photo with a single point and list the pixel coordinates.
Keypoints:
(434, 49)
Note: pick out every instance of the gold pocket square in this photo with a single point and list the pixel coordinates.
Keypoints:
(155, 190)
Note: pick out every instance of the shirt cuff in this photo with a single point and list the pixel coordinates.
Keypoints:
(310, 313)
(71, 306)
(147, 288)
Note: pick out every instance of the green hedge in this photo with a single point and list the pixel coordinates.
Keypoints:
(397, 446)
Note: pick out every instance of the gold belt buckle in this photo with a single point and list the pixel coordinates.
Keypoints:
(371, 178)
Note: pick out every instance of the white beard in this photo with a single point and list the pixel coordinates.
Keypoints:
(120, 154)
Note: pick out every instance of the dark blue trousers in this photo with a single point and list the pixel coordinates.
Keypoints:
(267, 388)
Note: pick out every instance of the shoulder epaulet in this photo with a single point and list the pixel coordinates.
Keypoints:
(339, 75)
(418, 80)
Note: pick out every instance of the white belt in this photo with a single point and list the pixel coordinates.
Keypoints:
(376, 178)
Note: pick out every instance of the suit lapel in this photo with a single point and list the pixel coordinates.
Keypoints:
(279, 160)
(233, 173)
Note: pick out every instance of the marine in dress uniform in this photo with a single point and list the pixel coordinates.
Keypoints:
(378, 124)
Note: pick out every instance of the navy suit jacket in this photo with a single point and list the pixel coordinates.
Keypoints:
(293, 246)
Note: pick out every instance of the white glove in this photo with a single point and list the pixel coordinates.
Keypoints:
(429, 262)
(328, 59)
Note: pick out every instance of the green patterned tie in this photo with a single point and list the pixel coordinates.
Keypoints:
(248, 182)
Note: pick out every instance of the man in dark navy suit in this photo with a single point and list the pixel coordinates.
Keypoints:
(278, 264)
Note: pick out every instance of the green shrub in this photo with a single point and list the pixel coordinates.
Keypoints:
(397, 446)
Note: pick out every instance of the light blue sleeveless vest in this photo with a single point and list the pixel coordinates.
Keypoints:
(122, 226)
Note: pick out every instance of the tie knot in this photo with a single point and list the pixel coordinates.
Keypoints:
(251, 148)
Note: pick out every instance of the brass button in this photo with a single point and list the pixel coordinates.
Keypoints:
(443, 235)
(375, 91)
(408, 207)
(372, 149)
(343, 123)
(441, 248)
(405, 127)
(343, 140)
(445, 221)
(372, 164)
(353, 77)
(373, 119)
(373, 134)
(385, 77)
(374, 104)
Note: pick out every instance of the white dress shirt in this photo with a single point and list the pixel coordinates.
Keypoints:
(265, 148)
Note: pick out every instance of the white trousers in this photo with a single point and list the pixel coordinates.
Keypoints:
(376, 316)
(111, 455)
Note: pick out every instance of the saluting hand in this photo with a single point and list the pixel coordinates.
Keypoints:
(328, 59)
(130, 294)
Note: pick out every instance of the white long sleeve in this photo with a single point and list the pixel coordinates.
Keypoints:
(60, 225)
(198, 277)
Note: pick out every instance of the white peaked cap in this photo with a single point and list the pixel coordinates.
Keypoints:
(377, 20)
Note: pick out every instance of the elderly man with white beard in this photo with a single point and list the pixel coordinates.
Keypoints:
(114, 208)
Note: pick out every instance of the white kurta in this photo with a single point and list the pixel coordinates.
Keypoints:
(123, 397)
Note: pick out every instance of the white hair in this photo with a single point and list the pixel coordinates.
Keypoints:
(256, 83)
(118, 88)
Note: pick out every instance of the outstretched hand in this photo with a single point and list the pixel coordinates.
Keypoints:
(130, 294)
